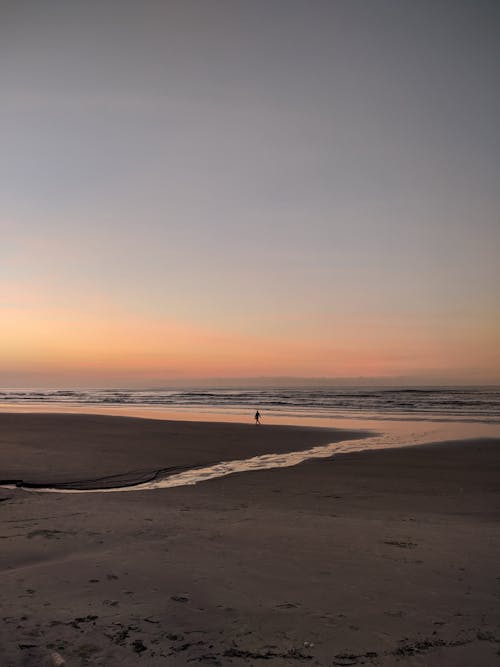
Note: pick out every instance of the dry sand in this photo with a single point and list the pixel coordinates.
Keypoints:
(376, 558)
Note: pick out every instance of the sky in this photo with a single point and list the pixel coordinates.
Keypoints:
(201, 189)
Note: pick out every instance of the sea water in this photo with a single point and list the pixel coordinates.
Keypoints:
(308, 405)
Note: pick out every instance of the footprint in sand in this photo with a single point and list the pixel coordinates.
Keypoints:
(50, 534)
(401, 545)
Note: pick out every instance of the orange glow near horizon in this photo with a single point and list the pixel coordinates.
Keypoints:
(120, 349)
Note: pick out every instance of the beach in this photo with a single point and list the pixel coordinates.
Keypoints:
(378, 557)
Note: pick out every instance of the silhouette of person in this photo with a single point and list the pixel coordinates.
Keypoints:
(257, 417)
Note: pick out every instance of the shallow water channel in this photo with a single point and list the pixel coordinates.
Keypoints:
(396, 435)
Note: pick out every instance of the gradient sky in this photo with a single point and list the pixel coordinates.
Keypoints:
(227, 188)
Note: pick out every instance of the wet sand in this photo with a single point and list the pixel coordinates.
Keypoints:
(105, 451)
(383, 558)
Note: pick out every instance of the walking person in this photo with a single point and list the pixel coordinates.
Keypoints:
(257, 417)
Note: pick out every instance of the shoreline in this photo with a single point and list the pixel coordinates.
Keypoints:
(339, 419)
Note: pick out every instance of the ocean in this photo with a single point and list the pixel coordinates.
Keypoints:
(320, 404)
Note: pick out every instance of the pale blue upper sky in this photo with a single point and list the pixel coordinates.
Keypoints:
(258, 166)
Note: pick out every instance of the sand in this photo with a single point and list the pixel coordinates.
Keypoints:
(55, 448)
(375, 558)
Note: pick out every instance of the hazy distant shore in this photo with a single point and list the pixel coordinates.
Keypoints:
(382, 557)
